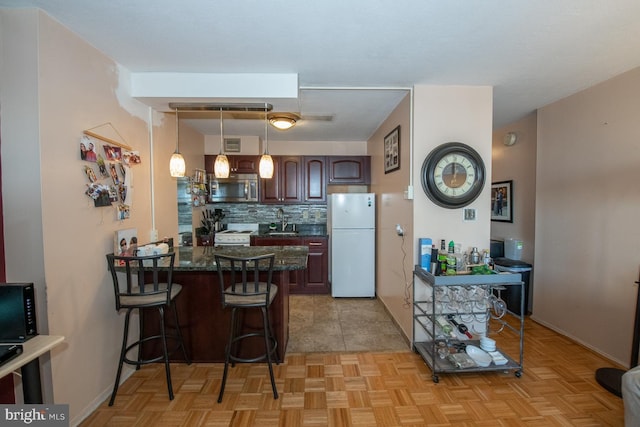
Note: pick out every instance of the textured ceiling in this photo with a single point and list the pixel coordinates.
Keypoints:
(531, 52)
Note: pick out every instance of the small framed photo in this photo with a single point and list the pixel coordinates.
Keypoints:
(502, 201)
(392, 151)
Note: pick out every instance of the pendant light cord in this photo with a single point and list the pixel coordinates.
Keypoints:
(266, 130)
(177, 133)
(221, 132)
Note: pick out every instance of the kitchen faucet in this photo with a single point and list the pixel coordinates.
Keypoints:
(280, 215)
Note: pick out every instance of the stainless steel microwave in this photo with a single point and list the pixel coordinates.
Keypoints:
(236, 188)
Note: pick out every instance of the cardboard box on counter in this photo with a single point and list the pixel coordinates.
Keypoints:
(425, 253)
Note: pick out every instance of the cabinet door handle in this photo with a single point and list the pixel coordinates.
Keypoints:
(315, 244)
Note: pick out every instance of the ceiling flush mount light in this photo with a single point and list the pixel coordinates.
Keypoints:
(510, 139)
(266, 162)
(221, 166)
(177, 166)
(283, 121)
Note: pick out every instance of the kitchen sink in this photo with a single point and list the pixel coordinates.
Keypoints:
(283, 233)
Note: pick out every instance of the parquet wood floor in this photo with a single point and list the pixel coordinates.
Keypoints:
(557, 388)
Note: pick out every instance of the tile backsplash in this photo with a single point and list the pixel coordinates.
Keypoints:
(239, 213)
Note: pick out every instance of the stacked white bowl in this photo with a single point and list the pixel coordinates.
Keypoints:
(487, 344)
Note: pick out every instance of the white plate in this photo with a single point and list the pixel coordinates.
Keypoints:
(481, 357)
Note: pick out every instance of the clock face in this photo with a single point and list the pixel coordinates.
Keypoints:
(453, 175)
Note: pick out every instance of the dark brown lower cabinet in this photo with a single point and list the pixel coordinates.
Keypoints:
(313, 280)
(317, 272)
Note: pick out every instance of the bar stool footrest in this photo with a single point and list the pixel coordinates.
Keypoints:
(274, 348)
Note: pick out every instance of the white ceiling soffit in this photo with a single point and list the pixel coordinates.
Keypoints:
(324, 114)
(159, 89)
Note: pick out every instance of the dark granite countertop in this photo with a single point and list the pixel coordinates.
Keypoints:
(302, 230)
(201, 258)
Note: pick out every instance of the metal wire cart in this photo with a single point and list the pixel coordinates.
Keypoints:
(455, 318)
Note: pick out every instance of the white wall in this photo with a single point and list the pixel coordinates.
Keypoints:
(53, 86)
(587, 210)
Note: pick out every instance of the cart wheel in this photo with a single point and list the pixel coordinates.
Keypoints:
(518, 374)
(435, 379)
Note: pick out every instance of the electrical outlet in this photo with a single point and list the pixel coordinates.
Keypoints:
(318, 215)
(399, 230)
(305, 214)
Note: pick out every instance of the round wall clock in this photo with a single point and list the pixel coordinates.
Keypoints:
(453, 175)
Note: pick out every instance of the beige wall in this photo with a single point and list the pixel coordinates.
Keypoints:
(441, 114)
(54, 86)
(444, 114)
(518, 164)
(252, 145)
(587, 209)
(394, 254)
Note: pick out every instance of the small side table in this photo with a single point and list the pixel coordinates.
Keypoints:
(29, 365)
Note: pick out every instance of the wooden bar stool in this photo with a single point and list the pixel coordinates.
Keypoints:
(133, 292)
(243, 289)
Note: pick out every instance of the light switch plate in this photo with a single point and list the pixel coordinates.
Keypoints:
(470, 214)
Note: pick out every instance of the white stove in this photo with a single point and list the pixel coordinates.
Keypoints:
(236, 235)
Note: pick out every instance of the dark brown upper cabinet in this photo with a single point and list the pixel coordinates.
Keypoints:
(349, 169)
(286, 184)
(315, 179)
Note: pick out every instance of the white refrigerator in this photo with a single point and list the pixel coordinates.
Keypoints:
(351, 221)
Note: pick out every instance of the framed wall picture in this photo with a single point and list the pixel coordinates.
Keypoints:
(392, 151)
(502, 201)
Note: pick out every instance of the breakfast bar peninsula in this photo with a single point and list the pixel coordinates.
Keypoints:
(203, 321)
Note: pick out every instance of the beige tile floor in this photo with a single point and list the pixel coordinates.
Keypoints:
(319, 323)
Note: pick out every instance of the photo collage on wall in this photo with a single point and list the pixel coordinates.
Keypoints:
(108, 172)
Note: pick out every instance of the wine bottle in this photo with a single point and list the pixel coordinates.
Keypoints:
(445, 326)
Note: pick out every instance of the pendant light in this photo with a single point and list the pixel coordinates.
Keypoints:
(221, 166)
(177, 166)
(266, 162)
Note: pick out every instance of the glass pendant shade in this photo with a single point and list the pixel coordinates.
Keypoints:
(266, 162)
(177, 166)
(266, 166)
(221, 166)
